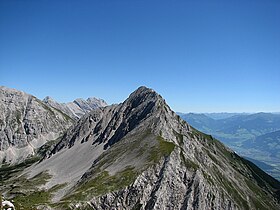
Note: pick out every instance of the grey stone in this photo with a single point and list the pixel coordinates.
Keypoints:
(26, 123)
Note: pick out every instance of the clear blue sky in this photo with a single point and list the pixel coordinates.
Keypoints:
(201, 56)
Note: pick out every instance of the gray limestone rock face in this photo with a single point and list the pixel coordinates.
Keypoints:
(95, 102)
(26, 123)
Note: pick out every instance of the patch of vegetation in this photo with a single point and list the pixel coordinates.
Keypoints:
(32, 200)
(261, 177)
(40, 179)
(214, 143)
(188, 163)
(201, 134)
(103, 183)
(231, 189)
(258, 196)
(261, 185)
(8, 171)
(164, 149)
(18, 116)
(23, 185)
(26, 192)
(35, 198)
(226, 153)
(208, 178)
(179, 137)
(211, 156)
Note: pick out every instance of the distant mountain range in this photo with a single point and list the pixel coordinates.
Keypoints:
(138, 154)
(78, 107)
(253, 135)
(223, 115)
(218, 115)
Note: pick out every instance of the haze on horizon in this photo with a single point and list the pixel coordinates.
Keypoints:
(201, 56)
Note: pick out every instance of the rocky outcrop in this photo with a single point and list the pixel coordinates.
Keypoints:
(26, 123)
(78, 107)
(141, 155)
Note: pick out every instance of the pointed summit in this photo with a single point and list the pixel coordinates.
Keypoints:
(144, 98)
(47, 99)
(143, 92)
(142, 95)
(144, 89)
(110, 124)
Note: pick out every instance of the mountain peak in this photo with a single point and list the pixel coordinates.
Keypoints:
(96, 102)
(143, 108)
(142, 90)
(48, 99)
(11, 91)
(143, 95)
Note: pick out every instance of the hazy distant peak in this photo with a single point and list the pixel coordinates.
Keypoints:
(79, 100)
(48, 99)
(92, 101)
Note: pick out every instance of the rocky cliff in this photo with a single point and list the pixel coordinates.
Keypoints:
(26, 123)
(141, 155)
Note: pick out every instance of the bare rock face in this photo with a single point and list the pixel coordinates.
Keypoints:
(78, 107)
(26, 123)
(141, 155)
(96, 103)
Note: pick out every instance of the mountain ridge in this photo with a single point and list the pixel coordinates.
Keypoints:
(140, 155)
(77, 108)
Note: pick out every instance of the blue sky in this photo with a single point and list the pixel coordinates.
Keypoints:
(201, 56)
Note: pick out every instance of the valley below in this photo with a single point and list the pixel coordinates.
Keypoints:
(253, 136)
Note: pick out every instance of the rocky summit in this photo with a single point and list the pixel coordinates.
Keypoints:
(139, 155)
